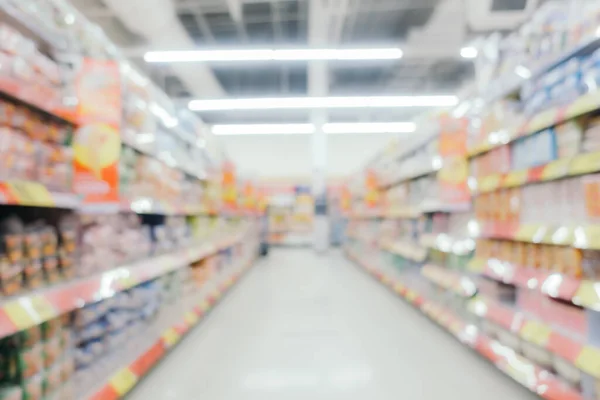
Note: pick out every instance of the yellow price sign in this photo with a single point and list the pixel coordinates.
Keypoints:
(205, 306)
(527, 233)
(191, 318)
(44, 309)
(489, 183)
(30, 193)
(587, 237)
(589, 361)
(515, 178)
(556, 169)
(123, 381)
(29, 311)
(542, 120)
(411, 295)
(398, 288)
(585, 163)
(536, 333)
(583, 105)
(477, 265)
(170, 337)
(22, 317)
(587, 295)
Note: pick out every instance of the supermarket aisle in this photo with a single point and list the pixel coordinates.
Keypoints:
(301, 326)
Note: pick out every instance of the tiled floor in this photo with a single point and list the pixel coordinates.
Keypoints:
(302, 326)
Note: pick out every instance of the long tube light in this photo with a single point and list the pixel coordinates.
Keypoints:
(323, 102)
(306, 129)
(391, 53)
(370, 127)
(263, 129)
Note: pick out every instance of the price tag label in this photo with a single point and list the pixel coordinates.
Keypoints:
(585, 163)
(515, 178)
(411, 295)
(536, 333)
(583, 105)
(542, 120)
(587, 296)
(556, 169)
(123, 381)
(589, 361)
(170, 337)
(27, 312)
(22, 317)
(477, 265)
(489, 183)
(44, 309)
(191, 318)
(30, 193)
(587, 237)
(527, 233)
(399, 288)
(205, 306)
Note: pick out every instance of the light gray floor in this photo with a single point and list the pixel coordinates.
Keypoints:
(302, 326)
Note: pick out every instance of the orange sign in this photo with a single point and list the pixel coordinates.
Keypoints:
(97, 142)
(453, 136)
(229, 190)
(372, 195)
(453, 178)
(345, 199)
(249, 196)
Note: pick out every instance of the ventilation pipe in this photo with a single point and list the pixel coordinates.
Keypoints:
(157, 22)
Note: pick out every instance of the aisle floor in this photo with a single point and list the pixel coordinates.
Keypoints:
(306, 326)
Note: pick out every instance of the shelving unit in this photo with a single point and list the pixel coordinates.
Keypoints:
(514, 275)
(115, 236)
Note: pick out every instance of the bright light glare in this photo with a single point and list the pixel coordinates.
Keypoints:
(523, 72)
(468, 52)
(306, 129)
(392, 53)
(323, 102)
(370, 127)
(264, 129)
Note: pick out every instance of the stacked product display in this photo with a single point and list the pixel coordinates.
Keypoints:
(290, 215)
(111, 242)
(515, 278)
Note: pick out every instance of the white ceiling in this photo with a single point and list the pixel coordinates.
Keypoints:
(430, 32)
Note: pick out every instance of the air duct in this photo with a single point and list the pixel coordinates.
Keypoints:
(490, 15)
(156, 21)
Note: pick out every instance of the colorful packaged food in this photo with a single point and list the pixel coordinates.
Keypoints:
(33, 388)
(53, 350)
(30, 360)
(10, 392)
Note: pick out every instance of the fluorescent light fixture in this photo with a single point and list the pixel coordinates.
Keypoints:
(307, 129)
(392, 53)
(468, 52)
(323, 102)
(264, 129)
(370, 127)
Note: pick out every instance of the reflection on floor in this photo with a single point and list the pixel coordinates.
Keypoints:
(303, 326)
